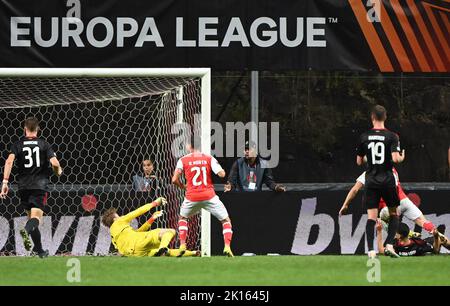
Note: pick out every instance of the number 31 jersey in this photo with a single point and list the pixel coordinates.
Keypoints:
(197, 169)
(32, 160)
(377, 145)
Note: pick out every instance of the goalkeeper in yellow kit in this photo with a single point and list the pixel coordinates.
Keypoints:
(141, 242)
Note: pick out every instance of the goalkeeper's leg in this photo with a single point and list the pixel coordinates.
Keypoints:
(187, 253)
(174, 253)
(155, 242)
(165, 235)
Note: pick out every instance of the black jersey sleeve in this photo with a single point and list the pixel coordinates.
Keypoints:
(360, 149)
(395, 143)
(14, 149)
(49, 151)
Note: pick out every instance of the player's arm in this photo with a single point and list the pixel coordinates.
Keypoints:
(360, 153)
(56, 166)
(143, 209)
(360, 160)
(379, 229)
(398, 156)
(176, 178)
(7, 172)
(51, 155)
(221, 173)
(217, 168)
(146, 226)
(349, 198)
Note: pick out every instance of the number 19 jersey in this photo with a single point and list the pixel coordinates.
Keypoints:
(377, 145)
(197, 169)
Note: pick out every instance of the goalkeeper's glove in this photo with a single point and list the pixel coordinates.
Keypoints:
(160, 201)
(155, 216)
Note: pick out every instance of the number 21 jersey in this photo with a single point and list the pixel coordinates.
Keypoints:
(197, 169)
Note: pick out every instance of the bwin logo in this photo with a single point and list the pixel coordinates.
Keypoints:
(374, 12)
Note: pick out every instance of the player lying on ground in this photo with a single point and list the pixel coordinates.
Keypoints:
(34, 157)
(411, 246)
(406, 208)
(141, 242)
(200, 193)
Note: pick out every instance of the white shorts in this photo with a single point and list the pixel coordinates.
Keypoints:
(214, 206)
(406, 208)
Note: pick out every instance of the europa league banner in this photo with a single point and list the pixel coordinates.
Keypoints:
(360, 35)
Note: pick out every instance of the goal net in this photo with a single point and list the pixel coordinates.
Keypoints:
(102, 123)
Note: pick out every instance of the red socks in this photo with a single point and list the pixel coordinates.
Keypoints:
(227, 233)
(182, 231)
(429, 227)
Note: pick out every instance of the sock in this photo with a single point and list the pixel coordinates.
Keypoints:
(182, 231)
(36, 237)
(429, 226)
(166, 239)
(31, 224)
(392, 229)
(190, 254)
(370, 233)
(176, 252)
(227, 233)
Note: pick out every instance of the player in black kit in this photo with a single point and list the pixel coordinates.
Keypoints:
(413, 246)
(381, 148)
(33, 157)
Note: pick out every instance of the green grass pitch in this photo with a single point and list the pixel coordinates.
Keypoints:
(257, 270)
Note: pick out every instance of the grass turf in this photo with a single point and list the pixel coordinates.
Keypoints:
(259, 270)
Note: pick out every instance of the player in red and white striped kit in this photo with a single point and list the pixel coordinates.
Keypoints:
(197, 167)
(406, 208)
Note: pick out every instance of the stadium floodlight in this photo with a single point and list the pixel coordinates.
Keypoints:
(103, 121)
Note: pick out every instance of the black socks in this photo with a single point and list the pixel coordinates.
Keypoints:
(32, 228)
(370, 233)
(31, 225)
(394, 222)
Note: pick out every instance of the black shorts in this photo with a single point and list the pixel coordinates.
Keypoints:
(33, 199)
(372, 197)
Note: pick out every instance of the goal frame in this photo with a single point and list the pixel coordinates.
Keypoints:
(203, 73)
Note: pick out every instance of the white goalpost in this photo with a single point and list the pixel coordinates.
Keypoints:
(102, 123)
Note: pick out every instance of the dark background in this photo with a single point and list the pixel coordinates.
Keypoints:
(257, 225)
(322, 114)
(347, 48)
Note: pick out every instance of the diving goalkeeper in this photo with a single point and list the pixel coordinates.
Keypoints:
(141, 242)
